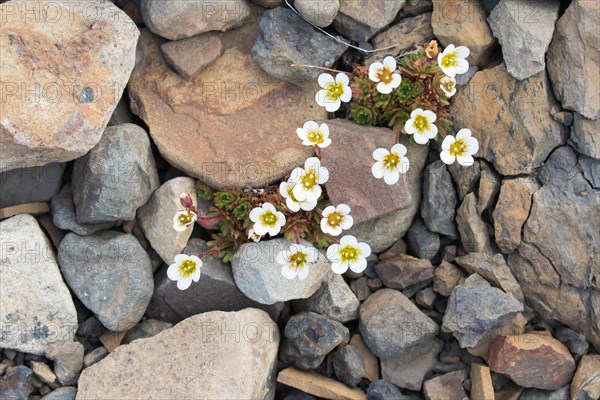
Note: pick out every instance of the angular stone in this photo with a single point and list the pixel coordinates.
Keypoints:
(426, 298)
(494, 269)
(382, 390)
(94, 356)
(183, 19)
(370, 362)
(439, 199)
(210, 130)
(59, 114)
(220, 342)
(111, 340)
(422, 243)
(16, 384)
(519, 108)
(268, 3)
(475, 307)
(348, 365)
(313, 335)
(387, 313)
(64, 216)
(532, 360)
(360, 288)
(405, 34)
(68, 360)
(463, 24)
(512, 210)
(408, 369)
(110, 273)
(576, 342)
(446, 277)
(156, 217)
(116, 177)
(287, 39)
(463, 79)
(359, 20)
(30, 185)
(446, 387)
(29, 208)
(481, 382)
(145, 329)
(62, 393)
(585, 136)
(190, 56)
(333, 300)
(586, 382)
(43, 372)
(576, 47)
(404, 271)
(524, 31)
(591, 170)
(318, 385)
(258, 275)
(318, 12)
(216, 291)
(489, 186)
(465, 178)
(28, 266)
(474, 234)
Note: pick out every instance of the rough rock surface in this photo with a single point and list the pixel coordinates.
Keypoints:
(210, 130)
(439, 199)
(68, 360)
(584, 136)
(422, 243)
(576, 43)
(29, 267)
(110, 273)
(65, 112)
(446, 277)
(586, 382)
(474, 234)
(64, 216)
(318, 12)
(258, 275)
(203, 356)
(405, 33)
(403, 271)
(190, 56)
(518, 108)
(348, 365)
(116, 177)
(30, 185)
(16, 384)
(286, 39)
(446, 387)
(359, 20)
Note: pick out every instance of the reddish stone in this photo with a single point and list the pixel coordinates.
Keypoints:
(403, 271)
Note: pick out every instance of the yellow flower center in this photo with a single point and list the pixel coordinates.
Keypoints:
(187, 268)
(185, 218)
(334, 219)
(334, 91)
(458, 148)
(421, 123)
(385, 76)
(298, 259)
(309, 179)
(349, 254)
(315, 137)
(449, 60)
(269, 219)
(391, 161)
(448, 85)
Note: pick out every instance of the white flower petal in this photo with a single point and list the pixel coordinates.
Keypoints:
(396, 80)
(173, 272)
(347, 95)
(339, 268)
(374, 71)
(462, 51)
(347, 222)
(255, 214)
(472, 145)
(328, 211)
(462, 66)
(308, 205)
(325, 143)
(325, 79)
(365, 249)
(432, 131)
(342, 78)
(399, 149)
(310, 126)
(358, 266)
(465, 160)
(404, 165)
(324, 128)
(447, 158)
(409, 127)
(303, 272)
(269, 207)
(448, 140)
(384, 88)
(184, 283)
(463, 134)
(379, 153)
(332, 106)
(292, 205)
(390, 63)
(260, 229)
(421, 138)
(378, 170)
(430, 115)
(348, 240)
(391, 176)
(343, 208)
(415, 113)
(289, 273)
(196, 275)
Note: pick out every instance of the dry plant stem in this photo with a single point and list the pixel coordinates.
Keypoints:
(212, 252)
(323, 68)
(318, 152)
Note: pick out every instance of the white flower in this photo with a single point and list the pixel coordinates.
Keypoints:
(287, 192)
(334, 91)
(184, 270)
(314, 135)
(349, 253)
(308, 179)
(294, 261)
(267, 220)
(453, 61)
(421, 125)
(336, 219)
(462, 148)
(183, 219)
(390, 164)
(253, 236)
(448, 86)
(384, 74)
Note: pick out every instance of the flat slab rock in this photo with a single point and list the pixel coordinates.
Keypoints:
(215, 355)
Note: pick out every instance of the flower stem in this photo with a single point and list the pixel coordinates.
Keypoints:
(323, 68)
(318, 152)
(297, 232)
(212, 252)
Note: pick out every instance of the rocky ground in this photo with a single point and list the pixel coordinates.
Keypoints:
(484, 282)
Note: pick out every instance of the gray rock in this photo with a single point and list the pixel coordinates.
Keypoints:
(268, 3)
(426, 298)
(408, 369)
(439, 199)
(290, 355)
(296, 394)
(474, 234)
(524, 31)
(576, 342)
(489, 186)
(28, 266)
(258, 275)
(386, 313)
(382, 390)
(538, 394)
(318, 12)
(16, 384)
(360, 287)
(182, 19)
(359, 20)
(156, 217)
(584, 136)
(62, 393)
(68, 360)
(446, 277)
(110, 273)
(591, 170)
(404, 271)
(405, 34)
(64, 217)
(348, 365)
(146, 329)
(463, 79)
(216, 291)
(415, 7)
(30, 185)
(116, 177)
(422, 243)
(465, 178)
(475, 307)
(286, 39)
(576, 47)
(333, 300)
(94, 356)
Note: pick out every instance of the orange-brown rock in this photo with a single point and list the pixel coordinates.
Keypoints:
(318, 385)
(532, 360)
(481, 382)
(370, 361)
(586, 382)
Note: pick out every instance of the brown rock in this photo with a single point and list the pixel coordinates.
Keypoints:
(318, 385)
(397, 249)
(446, 387)
(489, 186)
(405, 34)
(509, 392)
(532, 360)
(349, 160)
(481, 382)
(360, 20)
(82, 62)
(584, 136)
(68, 360)
(56, 235)
(518, 108)
(512, 210)
(370, 362)
(446, 277)
(586, 382)
(515, 326)
(190, 56)
(30, 208)
(111, 340)
(211, 355)
(473, 231)
(463, 23)
(210, 128)
(403, 271)
(465, 178)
